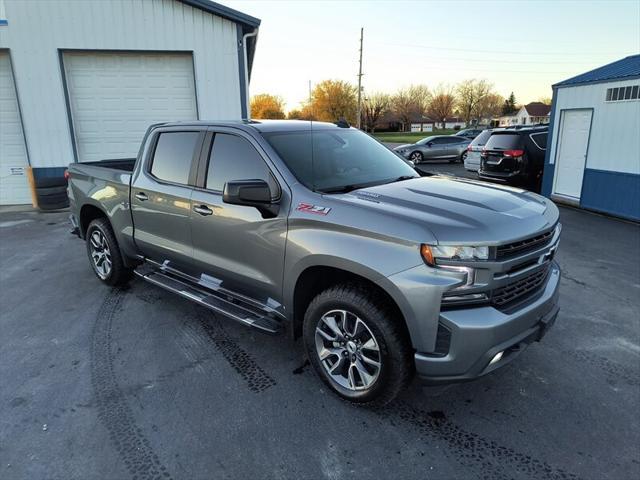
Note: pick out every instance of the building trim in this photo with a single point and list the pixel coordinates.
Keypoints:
(548, 171)
(242, 74)
(595, 82)
(17, 94)
(586, 153)
(243, 19)
(67, 102)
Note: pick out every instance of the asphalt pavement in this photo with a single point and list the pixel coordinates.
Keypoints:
(136, 383)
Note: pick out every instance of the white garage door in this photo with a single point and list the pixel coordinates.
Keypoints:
(114, 97)
(14, 186)
(575, 126)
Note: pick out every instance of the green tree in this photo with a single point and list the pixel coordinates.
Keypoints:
(509, 107)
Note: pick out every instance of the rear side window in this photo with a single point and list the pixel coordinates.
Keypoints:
(234, 158)
(503, 141)
(174, 155)
(540, 140)
(481, 139)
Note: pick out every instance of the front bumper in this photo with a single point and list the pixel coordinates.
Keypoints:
(478, 334)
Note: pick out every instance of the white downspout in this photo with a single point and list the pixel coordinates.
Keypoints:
(246, 69)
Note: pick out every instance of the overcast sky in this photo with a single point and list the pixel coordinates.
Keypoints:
(524, 46)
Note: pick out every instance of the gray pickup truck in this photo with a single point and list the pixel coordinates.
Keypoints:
(320, 231)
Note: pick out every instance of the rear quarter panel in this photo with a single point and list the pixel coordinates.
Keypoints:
(108, 190)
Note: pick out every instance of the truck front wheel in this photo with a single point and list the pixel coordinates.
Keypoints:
(104, 253)
(356, 346)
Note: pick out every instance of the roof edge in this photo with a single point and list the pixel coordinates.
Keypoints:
(569, 81)
(224, 12)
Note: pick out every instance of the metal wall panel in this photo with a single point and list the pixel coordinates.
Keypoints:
(38, 30)
(615, 133)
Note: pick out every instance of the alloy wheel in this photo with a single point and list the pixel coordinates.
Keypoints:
(100, 254)
(348, 350)
(416, 157)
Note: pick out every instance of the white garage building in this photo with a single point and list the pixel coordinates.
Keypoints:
(81, 81)
(593, 154)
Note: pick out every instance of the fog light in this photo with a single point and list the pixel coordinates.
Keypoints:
(497, 358)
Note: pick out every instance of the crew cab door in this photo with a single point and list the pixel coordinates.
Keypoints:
(161, 192)
(235, 246)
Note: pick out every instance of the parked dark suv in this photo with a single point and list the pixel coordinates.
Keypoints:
(515, 157)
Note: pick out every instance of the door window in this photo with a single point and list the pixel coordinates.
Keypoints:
(234, 158)
(173, 156)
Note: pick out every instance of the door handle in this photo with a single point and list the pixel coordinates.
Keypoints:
(203, 210)
(142, 196)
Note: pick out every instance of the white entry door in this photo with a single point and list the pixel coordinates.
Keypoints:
(115, 96)
(571, 159)
(14, 187)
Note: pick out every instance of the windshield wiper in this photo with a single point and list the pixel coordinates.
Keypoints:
(341, 189)
(402, 178)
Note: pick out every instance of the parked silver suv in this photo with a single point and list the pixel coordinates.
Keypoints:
(438, 147)
(320, 231)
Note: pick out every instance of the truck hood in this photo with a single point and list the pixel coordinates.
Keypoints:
(460, 211)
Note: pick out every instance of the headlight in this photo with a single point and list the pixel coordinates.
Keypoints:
(430, 253)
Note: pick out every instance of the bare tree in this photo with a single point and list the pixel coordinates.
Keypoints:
(375, 105)
(489, 106)
(470, 93)
(442, 103)
(410, 102)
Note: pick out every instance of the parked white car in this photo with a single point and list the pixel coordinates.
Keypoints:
(472, 160)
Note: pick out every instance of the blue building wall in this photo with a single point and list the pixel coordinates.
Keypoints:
(616, 193)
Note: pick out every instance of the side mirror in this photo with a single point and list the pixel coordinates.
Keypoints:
(250, 193)
(429, 144)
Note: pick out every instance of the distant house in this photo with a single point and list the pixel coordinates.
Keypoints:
(422, 124)
(453, 122)
(532, 113)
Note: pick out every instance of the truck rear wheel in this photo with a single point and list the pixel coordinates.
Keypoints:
(104, 254)
(356, 346)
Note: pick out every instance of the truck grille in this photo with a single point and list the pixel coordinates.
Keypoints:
(524, 246)
(521, 290)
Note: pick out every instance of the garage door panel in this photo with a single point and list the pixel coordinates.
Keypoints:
(114, 97)
(14, 187)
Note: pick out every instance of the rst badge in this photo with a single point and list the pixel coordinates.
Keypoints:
(317, 209)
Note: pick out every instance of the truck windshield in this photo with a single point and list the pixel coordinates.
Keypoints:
(335, 160)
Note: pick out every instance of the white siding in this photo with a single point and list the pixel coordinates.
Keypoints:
(37, 29)
(615, 133)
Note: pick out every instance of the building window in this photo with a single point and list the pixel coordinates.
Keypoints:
(621, 94)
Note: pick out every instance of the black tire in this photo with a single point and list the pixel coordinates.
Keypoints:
(119, 274)
(45, 191)
(463, 155)
(395, 352)
(46, 182)
(416, 157)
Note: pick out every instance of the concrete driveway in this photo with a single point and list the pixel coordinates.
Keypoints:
(137, 383)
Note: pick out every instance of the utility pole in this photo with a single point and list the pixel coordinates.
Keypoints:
(360, 83)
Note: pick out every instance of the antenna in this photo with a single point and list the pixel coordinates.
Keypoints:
(360, 83)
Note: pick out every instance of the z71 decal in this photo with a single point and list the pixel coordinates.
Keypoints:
(317, 209)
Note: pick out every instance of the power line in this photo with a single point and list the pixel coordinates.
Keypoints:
(519, 52)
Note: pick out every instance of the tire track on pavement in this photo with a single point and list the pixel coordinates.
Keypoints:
(239, 359)
(113, 410)
(487, 457)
